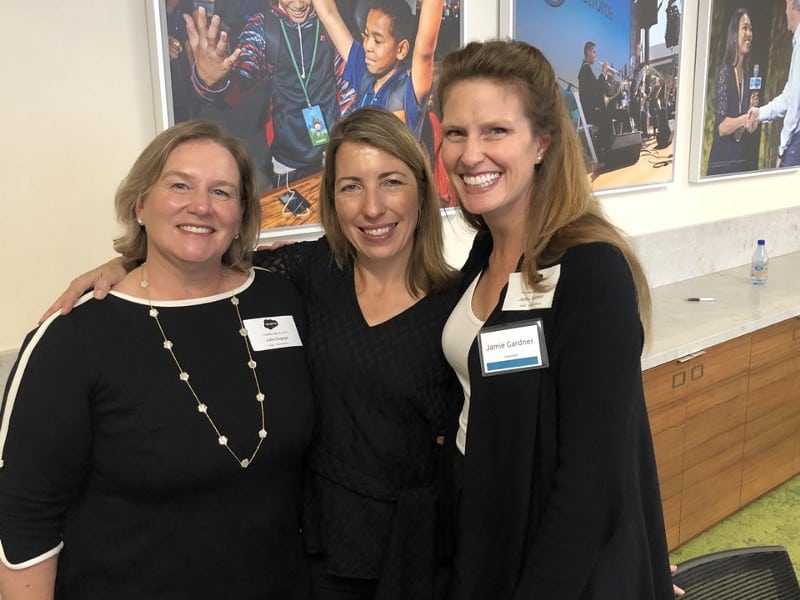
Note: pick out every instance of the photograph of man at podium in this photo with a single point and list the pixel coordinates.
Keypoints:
(617, 62)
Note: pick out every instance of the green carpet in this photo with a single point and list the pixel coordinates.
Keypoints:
(772, 520)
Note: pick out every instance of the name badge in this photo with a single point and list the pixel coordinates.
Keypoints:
(271, 333)
(516, 347)
(520, 296)
(315, 124)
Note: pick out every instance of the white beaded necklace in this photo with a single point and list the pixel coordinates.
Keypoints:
(184, 376)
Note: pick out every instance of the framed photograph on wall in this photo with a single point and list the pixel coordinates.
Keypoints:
(744, 51)
(282, 82)
(618, 64)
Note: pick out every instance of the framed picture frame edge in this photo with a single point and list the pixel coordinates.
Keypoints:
(699, 91)
(505, 18)
(161, 86)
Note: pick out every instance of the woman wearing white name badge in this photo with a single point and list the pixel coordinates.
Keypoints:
(152, 444)
(556, 487)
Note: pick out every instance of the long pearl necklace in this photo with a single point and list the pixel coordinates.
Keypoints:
(183, 375)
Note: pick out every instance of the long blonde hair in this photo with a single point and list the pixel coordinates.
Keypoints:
(562, 211)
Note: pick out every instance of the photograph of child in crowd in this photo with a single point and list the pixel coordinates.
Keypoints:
(279, 74)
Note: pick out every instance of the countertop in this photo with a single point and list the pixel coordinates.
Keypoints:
(680, 327)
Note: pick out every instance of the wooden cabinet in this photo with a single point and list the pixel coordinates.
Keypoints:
(726, 426)
(665, 394)
(773, 409)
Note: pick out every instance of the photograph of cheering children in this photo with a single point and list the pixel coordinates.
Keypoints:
(286, 47)
(287, 70)
(392, 67)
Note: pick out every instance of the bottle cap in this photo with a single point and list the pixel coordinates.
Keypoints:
(761, 242)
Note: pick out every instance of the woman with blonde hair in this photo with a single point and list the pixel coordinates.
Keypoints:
(152, 444)
(554, 467)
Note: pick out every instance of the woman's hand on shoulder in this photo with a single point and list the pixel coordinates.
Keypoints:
(99, 279)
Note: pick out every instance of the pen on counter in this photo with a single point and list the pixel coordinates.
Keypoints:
(701, 299)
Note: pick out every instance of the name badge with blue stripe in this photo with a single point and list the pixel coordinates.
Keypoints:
(519, 346)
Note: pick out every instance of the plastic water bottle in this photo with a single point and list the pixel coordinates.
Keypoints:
(760, 265)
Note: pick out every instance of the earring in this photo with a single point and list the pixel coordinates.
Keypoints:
(139, 221)
(539, 158)
(237, 236)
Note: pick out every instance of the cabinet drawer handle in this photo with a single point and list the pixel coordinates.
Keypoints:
(796, 334)
(697, 372)
(689, 357)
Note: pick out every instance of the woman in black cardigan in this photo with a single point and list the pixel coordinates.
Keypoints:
(556, 483)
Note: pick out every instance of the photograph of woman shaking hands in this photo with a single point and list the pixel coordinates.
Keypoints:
(556, 487)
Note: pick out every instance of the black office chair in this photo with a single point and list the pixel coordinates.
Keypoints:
(761, 573)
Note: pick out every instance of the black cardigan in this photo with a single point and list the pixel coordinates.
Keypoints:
(560, 496)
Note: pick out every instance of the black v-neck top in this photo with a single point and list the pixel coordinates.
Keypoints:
(382, 393)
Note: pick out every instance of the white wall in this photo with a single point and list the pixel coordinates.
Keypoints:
(77, 108)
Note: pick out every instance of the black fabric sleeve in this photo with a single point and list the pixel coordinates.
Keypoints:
(597, 368)
(45, 455)
(292, 260)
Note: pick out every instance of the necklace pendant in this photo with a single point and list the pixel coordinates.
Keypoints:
(262, 433)
(223, 441)
(245, 463)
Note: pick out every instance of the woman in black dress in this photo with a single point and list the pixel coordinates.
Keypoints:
(732, 99)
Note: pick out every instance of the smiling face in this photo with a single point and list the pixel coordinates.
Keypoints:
(745, 36)
(298, 10)
(192, 212)
(383, 53)
(489, 149)
(376, 199)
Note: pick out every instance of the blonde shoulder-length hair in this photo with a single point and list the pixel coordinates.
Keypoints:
(147, 168)
(427, 270)
(562, 211)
